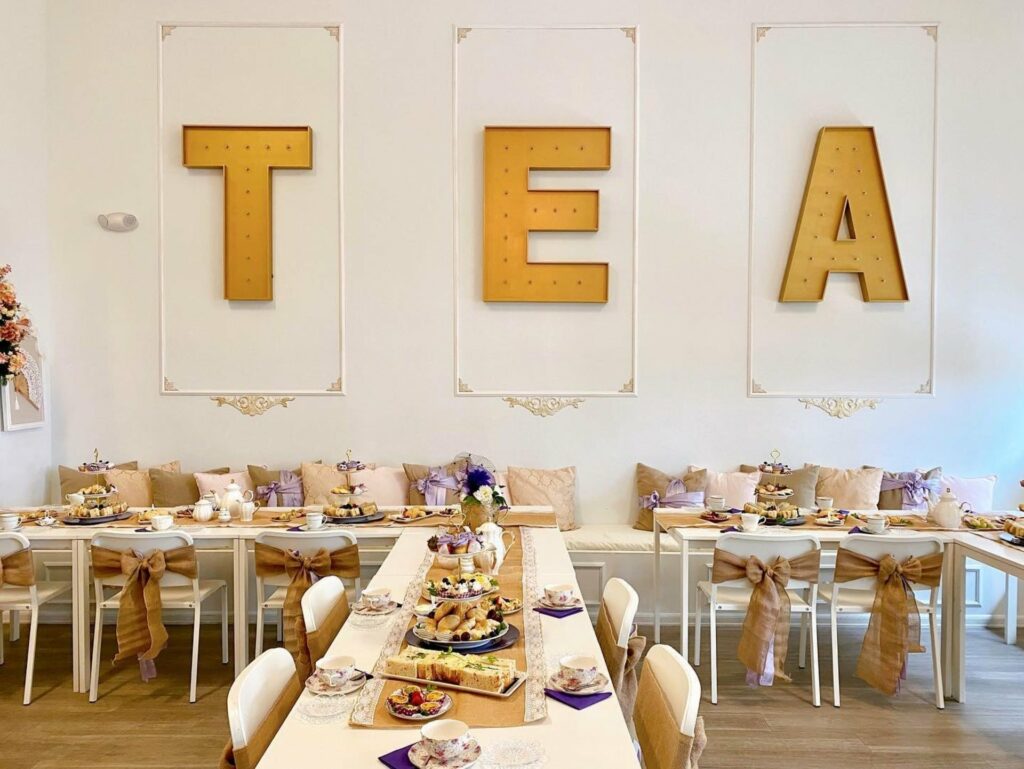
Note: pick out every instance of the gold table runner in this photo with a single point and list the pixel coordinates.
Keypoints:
(477, 710)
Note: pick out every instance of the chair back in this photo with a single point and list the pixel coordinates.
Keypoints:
(304, 542)
(252, 698)
(12, 542)
(143, 543)
(621, 603)
(679, 682)
(900, 546)
(319, 600)
(768, 547)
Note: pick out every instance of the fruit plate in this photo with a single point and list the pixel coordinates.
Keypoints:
(446, 705)
(519, 680)
(502, 641)
(70, 521)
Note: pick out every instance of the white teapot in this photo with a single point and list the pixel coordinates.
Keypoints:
(233, 497)
(492, 535)
(947, 512)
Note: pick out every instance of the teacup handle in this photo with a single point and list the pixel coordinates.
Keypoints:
(248, 495)
(761, 519)
(512, 541)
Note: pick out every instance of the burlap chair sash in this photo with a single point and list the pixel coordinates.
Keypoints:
(894, 630)
(766, 627)
(662, 744)
(18, 569)
(303, 571)
(140, 627)
(621, 661)
(319, 641)
(247, 756)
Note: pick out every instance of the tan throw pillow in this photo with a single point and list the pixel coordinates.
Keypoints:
(218, 482)
(418, 472)
(134, 487)
(176, 489)
(649, 480)
(262, 476)
(892, 499)
(72, 480)
(318, 480)
(804, 483)
(851, 489)
(546, 487)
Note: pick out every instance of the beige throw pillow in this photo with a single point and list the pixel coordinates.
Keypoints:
(72, 480)
(416, 472)
(851, 489)
(892, 499)
(649, 480)
(218, 482)
(134, 487)
(176, 489)
(546, 487)
(318, 480)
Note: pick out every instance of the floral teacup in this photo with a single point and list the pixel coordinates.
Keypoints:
(445, 739)
(577, 671)
(559, 595)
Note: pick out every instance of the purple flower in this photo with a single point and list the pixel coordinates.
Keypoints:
(475, 477)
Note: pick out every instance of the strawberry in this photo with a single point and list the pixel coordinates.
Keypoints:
(416, 698)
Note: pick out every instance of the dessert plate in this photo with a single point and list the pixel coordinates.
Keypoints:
(421, 758)
(446, 705)
(556, 681)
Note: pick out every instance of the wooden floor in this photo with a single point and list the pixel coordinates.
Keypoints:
(152, 725)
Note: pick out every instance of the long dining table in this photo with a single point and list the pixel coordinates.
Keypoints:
(696, 540)
(595, 737)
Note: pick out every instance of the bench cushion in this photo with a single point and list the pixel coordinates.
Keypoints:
(615, 537)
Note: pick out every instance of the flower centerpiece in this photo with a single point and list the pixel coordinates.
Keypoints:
(14, 327)
(482, 499)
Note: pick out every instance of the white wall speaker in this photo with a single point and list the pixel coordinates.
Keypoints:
(118, 221)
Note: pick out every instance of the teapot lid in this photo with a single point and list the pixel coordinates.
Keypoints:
(947, 494)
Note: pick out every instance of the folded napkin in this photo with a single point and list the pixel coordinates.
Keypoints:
(730, 528)
(577, 701)
(398, 759)
(557, 613)
(854, 530)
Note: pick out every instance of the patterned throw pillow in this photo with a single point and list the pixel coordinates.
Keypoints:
(851, 489)
(134, 487)
(319, 479)
(546, 487)
(650, 480)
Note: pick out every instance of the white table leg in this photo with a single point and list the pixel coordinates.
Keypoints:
(80, 611)
(76, 657)
(1011, 610)
(684, 599)
(657, 581)
(241, 583)
(960, 627)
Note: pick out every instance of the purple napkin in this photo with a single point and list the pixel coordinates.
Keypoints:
(730, 528)
(398, 759)
(557, 613)
(854, 530)
(577, 701)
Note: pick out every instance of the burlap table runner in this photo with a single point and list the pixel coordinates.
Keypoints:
(303, 570)
(621, 661)
(477, 710)
(894, 630)
(662, 744)
(247, 756)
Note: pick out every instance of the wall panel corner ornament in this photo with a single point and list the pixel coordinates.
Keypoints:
(926, 388)
(630, 33)
(463, 387)
(335, 386)
(629, 387)
(840, 408)
(757, 387)
(169, 386)
(165, 31)
(932, 30)
(461, 33)
(334, 32)
(760, 33)
(543, 406)
(252, 405)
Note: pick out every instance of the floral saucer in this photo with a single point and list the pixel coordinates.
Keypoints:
(556, 681)
(316, 686)
(576, 603)
(421, 759)
(361, 608)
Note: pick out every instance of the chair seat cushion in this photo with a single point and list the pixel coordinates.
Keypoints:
(738, 597)
(19, 597)
(615, 537)
(856, 599)
(176, 596)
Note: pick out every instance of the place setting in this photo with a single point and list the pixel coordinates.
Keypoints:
(328, 688)
(559, 600)
(578, 682)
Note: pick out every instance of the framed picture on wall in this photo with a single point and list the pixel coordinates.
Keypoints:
(22, 400)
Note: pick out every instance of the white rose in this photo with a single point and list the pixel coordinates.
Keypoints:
(484, 494)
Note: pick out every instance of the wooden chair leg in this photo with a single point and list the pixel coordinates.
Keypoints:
(31, 662)
(195, 653)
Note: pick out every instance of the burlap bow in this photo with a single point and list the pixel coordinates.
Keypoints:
(140, 625)
(894, 630)
(17, 569)
(662, 744)
(248, 755)
(766, 627)
(303, 571)
(621, 661)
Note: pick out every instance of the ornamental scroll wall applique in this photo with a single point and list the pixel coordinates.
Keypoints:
(845, 224)
(512, 210)
(248, 156)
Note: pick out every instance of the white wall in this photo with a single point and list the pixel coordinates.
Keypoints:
(25, 455)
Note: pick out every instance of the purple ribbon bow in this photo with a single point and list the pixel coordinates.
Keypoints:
(915, 488)
(288, 491)
(676, 495)
(435, 486)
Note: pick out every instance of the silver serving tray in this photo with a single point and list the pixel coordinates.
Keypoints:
(460, 645)
(70, 521)
(378, 516)
(520, 678)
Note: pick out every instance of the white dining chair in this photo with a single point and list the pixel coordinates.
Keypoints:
(304, 542)
(176, 592)
(681, 687)
(621, 602)
(251, 701)
(735, 595)
(319, 600)
(16, 599)
(858, 596)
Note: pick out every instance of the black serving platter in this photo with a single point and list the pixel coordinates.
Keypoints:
(509, 639)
